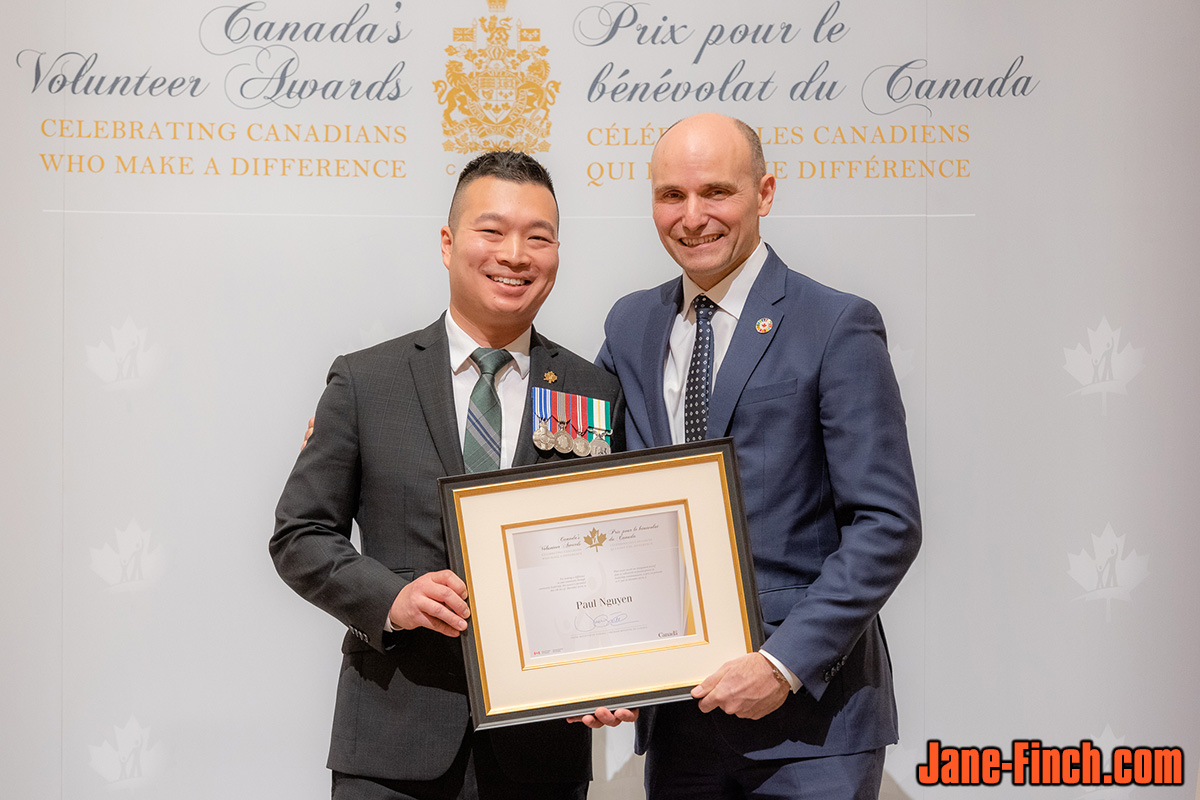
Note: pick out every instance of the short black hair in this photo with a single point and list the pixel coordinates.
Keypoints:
(507, 165)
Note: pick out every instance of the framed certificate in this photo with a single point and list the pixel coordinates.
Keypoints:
(615, 581)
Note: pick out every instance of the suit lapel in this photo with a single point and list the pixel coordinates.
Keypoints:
(748, 345)
(430, 368)
(654, 360)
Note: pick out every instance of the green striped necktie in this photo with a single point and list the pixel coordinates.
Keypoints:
(481, 445)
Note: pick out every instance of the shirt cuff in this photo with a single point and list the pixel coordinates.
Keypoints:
(792, 680)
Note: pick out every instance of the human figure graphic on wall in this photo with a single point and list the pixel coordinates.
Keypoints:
(1108, 571)
(1102, 365)
(131, 762)
(131, 566)
(127, 366)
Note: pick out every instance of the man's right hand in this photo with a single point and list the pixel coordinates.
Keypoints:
(308, 433)
(436, 600)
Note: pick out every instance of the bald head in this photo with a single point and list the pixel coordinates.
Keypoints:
(710, 187)
(719, 125)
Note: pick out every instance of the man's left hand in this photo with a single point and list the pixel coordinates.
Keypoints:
(745, 687)
(602, 717)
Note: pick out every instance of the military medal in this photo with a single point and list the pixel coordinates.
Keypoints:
(600, 424)
(579, 413)
(562, 437)
(543, 439)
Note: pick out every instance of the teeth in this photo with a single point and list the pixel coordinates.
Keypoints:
(509, 281)
(700, 240)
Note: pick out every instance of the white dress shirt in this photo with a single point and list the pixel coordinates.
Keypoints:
(730, 296)
(512, 385)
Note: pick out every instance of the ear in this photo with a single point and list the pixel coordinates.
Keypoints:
(766, 194)
(447, 245)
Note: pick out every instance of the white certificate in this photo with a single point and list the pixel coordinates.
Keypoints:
(603, 584)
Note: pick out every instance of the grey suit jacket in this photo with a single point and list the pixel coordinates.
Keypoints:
(385, 432)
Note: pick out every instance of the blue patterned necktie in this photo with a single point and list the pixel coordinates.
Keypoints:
(699, 379)
(481, 444)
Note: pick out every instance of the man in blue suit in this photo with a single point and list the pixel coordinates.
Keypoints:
(799, 375)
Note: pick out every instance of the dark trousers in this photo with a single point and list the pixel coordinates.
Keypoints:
(474, 775)
(689, 759)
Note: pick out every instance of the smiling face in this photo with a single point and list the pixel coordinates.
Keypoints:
(502, 254)
(708, 197)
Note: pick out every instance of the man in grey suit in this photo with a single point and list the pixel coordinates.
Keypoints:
(394, 418)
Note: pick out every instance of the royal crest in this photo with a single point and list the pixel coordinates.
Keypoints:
(496, 96)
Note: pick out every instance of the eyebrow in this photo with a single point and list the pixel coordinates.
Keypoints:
(495, 216)
(726, 185)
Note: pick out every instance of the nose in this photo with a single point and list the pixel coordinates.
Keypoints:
(515, 251)
(694, 215)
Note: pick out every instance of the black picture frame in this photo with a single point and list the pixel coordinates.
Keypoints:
(700, 478)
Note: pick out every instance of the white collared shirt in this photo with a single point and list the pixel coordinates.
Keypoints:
(512, 385)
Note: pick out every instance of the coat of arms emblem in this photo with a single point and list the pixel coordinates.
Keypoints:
(496, 96)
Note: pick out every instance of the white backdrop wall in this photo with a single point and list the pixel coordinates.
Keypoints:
(166, 335)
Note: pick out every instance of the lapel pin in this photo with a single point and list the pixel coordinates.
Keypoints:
(550, 377)
(764, 325)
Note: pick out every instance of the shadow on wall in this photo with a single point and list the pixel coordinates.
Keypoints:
(890, 790)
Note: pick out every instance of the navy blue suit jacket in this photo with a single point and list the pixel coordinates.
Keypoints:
(818, 428)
